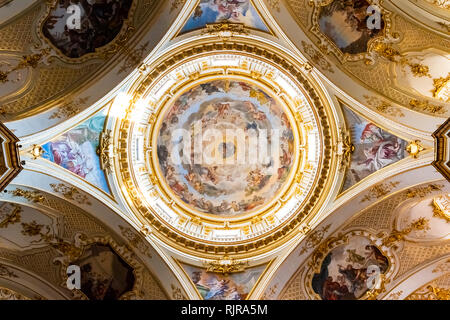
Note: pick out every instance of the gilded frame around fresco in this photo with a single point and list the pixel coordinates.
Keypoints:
(186, 243)
(103, 52)
(315, 261)
(81, 242)
(327, 45)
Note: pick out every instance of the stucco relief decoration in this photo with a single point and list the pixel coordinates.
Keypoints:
(421, 73)
(216, 286)
(9, 214)
(78, 151)
(4, 2)
(7, 294)
(422, 220)
(373, 148)
(17, 72)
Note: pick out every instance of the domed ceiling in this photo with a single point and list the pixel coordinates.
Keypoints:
(206, 174)
(173, 147)
(224, 150)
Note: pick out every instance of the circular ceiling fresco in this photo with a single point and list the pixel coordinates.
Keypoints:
(225, 147)
(224, 151)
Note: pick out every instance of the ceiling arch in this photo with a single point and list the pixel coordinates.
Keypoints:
(375, 201)
(86, 221)
(75, 88)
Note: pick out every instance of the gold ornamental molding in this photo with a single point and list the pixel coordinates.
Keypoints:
(4, 2)
(117, 44)
(442, 88)
(441, 207)
(10, 165)
(71, 251)
(399, 235)
(345, 149)
(10, 214)
(31, 196)
(442, 147)
(27, 61)
(191, 231)
(104, 151)
(326, 45)
(8, 294)
(431, 292)
(226, 265)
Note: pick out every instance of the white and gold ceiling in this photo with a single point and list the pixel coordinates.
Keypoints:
(361, 183)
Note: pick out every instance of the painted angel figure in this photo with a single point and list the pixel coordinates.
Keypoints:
(382, 148)
(217, 289)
